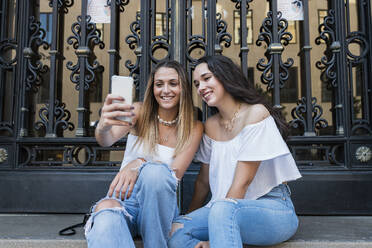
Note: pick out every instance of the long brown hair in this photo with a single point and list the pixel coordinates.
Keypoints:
(236, 84)
(147, 124)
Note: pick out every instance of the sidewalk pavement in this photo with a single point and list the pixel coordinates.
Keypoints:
(41, 231)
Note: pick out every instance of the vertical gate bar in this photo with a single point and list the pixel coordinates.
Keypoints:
(178, 51)
(25, 111)
(145, 42)
(203, 9)
(19, 74)
(243, 40)
(153, 18)
(342, 107)
(3, 32)
(211, 27)
(82, 52)
(114, 36)
(350, 81)
(367, 29)
(342, 84)
(275, 49)
(54, 56)
(168, 12)
(338, 116)
(3, 24)
(189, 18)
(309, 129)
(363, 8)
(347, 12)
(179, 32)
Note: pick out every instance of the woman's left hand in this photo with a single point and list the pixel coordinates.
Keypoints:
(202, 244)
(125, 180)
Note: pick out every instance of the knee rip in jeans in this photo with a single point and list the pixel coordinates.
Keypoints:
(177, 225)
(102, 206)
(107, 203)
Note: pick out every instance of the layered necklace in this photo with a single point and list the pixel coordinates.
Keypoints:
(164, 139)
(229, 124)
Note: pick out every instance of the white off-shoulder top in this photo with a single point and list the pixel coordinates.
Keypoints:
(260, 141)
(164, 154)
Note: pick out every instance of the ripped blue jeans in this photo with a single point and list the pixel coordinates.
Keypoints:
(149, 212)
(269, 220)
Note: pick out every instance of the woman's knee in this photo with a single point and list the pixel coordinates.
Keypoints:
(156, 177)
(107, 203)
(106, 216)
(221, 211)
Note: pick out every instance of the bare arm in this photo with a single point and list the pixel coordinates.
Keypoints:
(109, 130)
(201, 188)
(183, 160)
(244, 174)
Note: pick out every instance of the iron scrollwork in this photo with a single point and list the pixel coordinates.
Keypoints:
(266, 35)
(133, 40)
(6, 126)
(83, 50)
(328, 62)
(34, 65)
(65, 4)
(299, 112)
(238, 3)
(61, 114)
(222, 34)
(5, 46)
(72, 155)
(120, 3)
(358, 38)
(75, 154)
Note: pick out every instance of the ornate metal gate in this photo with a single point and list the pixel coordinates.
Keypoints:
(55, 65)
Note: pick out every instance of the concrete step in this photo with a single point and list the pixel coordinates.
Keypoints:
(41, 231)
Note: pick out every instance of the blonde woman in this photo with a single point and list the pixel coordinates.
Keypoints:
(163, 138)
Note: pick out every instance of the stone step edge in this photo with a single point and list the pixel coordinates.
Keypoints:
(70, 243)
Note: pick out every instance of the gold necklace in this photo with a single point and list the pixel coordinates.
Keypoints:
(163, 140)
(229, 124)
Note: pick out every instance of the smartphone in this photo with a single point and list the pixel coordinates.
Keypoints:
(123, 86)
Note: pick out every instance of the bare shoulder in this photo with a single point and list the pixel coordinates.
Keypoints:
(255, 113)
(210, 125)
(199, 127)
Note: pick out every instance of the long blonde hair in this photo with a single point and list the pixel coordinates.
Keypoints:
(147, 124)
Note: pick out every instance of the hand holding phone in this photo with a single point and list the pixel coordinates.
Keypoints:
(123, 86)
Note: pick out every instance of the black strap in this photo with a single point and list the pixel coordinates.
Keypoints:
(70, 230)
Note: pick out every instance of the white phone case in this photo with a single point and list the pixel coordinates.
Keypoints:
(123, 86)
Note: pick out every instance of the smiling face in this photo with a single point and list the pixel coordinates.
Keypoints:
(167, 88)
(207, 85)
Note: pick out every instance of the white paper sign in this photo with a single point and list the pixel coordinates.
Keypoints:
(292, 10)
(99, 11)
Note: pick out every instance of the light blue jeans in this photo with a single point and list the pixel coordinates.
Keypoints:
(149, 212)
(269, 220)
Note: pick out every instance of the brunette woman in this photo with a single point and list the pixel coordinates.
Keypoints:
(246, 164)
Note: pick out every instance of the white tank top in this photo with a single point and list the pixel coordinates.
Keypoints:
(164, 154)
